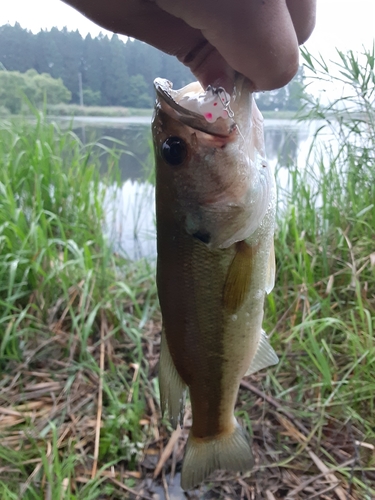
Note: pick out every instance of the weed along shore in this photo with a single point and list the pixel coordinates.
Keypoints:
(80, 330)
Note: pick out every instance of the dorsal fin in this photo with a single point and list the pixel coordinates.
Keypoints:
(238, 278)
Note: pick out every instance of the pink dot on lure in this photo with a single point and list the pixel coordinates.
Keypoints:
(210, 104)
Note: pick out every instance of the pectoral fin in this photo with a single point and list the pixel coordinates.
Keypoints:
(172, 387)
(238, 278)
(264, 357)
(271, 270)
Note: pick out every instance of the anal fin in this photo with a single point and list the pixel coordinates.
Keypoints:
(264, 357)
(172, 387)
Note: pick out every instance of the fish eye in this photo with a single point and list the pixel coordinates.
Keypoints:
(174, 151)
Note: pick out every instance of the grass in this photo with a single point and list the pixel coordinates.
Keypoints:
(70, 319)
(79, 329)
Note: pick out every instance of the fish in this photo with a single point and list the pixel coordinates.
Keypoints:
(215, 201)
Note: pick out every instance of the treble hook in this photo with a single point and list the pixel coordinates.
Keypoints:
(222, 94)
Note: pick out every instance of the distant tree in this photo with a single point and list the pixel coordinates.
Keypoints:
(70, 46)
(46, 87)
(119, 73)
(296, 90)
(136, 93)
(92, 74)
(142, 59)
(12, 87)
(274, 100)
(115, 72)
(287, 98)
(16, 48)
(91, 97)
(15, 86)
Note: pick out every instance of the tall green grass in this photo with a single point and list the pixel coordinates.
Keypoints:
(50, 219)
(63, 294)
(322, 311)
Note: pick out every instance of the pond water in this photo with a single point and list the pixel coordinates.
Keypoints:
(130, 221)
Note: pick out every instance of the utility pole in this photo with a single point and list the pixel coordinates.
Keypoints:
(80, 89)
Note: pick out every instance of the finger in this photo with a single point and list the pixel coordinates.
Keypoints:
(255, 37)
(140, 19)
(303, 14)
(143, 19)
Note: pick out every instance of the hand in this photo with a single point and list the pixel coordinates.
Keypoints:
(215, 38)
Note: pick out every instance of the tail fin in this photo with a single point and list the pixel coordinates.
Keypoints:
(231, 452)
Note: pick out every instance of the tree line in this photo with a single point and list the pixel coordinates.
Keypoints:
(113, 73)
(109, 71)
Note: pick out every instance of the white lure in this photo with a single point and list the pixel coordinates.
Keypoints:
(212, 104)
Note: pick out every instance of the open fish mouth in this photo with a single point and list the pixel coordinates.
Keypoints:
(169, 101)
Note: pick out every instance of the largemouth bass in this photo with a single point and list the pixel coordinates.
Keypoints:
(215, 212)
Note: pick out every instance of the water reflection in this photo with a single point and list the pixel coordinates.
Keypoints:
(282, 145)
(130, 220)
(285, 140)
(131, 135)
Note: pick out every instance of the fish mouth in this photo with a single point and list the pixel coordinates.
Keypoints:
(169, 101)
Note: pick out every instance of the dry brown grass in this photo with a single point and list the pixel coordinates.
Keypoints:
(297, 456)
